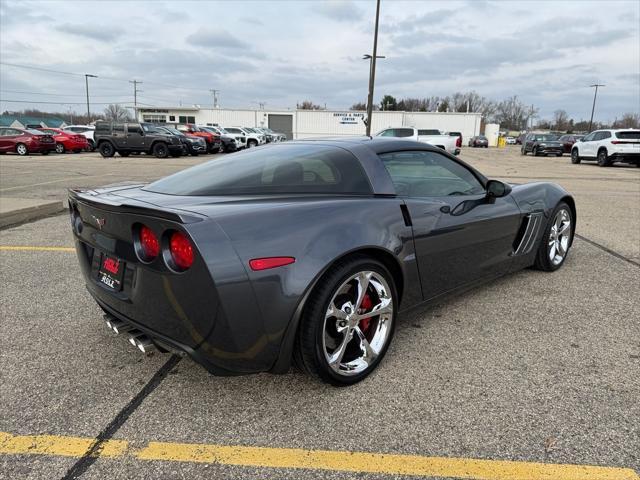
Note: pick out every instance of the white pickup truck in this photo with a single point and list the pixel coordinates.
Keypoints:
(430, 136)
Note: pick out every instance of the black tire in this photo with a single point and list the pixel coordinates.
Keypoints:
(308, 352)
(543, 262)
(603, 158)
(534, 152)
(575, 158)
(60, 148)
(106, 149)
(92, 145)
(251, 143)
(558, 154)
(194, 154)
(160, 150)
(45, 152)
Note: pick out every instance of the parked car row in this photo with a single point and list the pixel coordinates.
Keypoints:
(24, 141)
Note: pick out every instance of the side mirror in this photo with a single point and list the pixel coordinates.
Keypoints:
(497, 189)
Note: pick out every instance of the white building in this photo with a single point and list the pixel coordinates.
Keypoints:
(314, 123)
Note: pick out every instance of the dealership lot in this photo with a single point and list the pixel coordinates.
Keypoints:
(535, 367)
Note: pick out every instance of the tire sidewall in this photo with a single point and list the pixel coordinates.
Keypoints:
(25, 150)
(106, 149)
(324, 293)
(575, 158)
(603, 162)
(160, 150)
(60, 148)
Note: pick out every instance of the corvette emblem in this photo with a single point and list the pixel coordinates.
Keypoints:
(99, 221)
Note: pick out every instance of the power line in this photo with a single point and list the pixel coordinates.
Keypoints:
(60, 94)
(63, 103)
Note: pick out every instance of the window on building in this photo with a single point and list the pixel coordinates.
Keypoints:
(154, 118)
(172, 118)
(182, 119)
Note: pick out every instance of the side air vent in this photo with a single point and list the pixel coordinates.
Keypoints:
(525, 240)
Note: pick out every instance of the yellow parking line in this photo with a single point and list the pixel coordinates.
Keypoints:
(290, 458)
(59, 446)
(24, 248)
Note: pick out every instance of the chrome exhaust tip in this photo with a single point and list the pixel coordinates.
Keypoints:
(118, 326)
(142, 343)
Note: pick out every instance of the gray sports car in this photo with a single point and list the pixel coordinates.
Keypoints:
(306, 250)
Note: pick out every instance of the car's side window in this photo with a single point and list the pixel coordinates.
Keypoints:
(403, 132)
(589, 137)
(134, 129)
(605, 135)
(389, 132)
(429, 174)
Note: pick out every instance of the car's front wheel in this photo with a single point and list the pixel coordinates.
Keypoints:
(106, 149)
(21, 149)
(575, 156)
(348, 322)
(556, 240)
(59, 148)
(160, 150)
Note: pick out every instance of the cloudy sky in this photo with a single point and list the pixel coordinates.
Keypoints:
(282, 52)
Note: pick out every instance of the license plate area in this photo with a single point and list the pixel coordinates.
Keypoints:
(111, 272)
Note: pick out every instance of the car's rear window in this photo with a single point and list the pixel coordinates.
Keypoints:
(276, 169)
(629, 135)
(428, 132)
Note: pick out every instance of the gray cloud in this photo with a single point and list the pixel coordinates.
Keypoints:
(340, 10)
(216, 38)
(89, 30)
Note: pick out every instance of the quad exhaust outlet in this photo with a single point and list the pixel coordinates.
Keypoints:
(136, 338)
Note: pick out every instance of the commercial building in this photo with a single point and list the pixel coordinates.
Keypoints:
(314, 123)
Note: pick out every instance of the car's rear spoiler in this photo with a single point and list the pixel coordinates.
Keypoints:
(114, 203)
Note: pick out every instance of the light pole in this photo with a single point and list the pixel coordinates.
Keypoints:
(86, 81)
(593, 108)
(372, 69)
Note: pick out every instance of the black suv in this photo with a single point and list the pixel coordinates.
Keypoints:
(132, 137)
(542, 144)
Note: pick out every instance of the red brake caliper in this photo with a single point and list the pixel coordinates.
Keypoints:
(365, 306)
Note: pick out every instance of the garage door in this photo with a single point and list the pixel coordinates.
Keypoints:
(282, 124)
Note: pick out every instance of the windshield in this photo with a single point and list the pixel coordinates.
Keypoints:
(276, 169)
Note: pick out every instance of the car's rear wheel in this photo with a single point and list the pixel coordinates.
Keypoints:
(160, 150)
(603, 158)
(106, 149)
(575, 157)
(21, 149)
(59, 148)
(252, 143)
(348, 322)
(556, 240)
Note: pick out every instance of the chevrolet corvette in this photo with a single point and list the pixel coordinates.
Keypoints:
(305, 252)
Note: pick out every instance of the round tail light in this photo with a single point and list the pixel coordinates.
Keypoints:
(181, 250)
(149, 244)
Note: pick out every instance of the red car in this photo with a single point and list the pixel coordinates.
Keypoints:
(213, 140)
(24, 141)
(568, 141)
(67, 141)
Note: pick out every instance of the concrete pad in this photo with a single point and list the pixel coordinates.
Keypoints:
(19, 210)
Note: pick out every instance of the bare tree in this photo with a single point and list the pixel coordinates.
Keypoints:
(561, 120)
(359, 106)
(309, 105)
(512, 113)
(116, 113)
(628, 120)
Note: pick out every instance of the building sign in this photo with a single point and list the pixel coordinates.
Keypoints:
(349, 118)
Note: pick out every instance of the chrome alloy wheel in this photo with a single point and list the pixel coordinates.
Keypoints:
(357, 323)
(559, 237)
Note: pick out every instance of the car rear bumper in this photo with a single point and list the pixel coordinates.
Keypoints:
(625, 157)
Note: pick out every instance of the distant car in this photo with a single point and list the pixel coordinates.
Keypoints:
(568, 141)
(275, 136)
(25, 141)
(608, 146)
(193, 145)
(479, 141)
(262, 138)
(133, 137)
(459, 136)
(67, 141)
(240, 138)
(542, 144)
(212, 139)
(229, 143)
(253, 140)
(510, 140)
(431, 136)
(86, 130)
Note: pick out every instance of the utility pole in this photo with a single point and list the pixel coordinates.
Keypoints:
(372, 70)
(531, 116)
(86, 81)
(215, 97)
(593, 108)
(135, 97)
